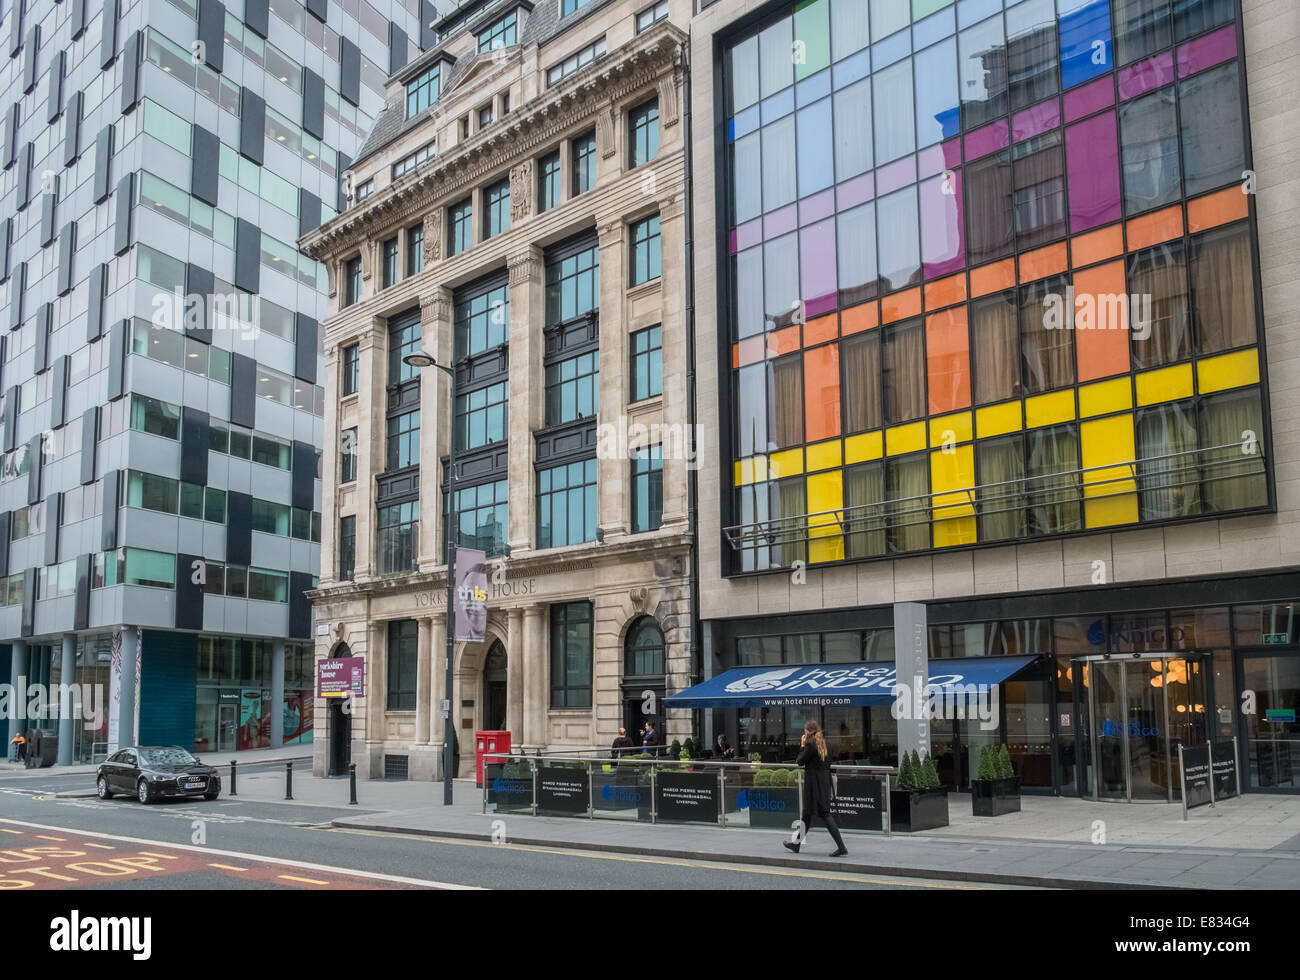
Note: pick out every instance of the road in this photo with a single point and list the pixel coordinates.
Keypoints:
(232, 844)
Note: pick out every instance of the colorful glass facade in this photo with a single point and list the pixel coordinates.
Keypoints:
(992, 274)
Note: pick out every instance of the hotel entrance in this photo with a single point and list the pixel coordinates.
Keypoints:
(1135, 712)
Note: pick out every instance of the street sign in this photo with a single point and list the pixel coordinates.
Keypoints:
(1276, 638)
(445, 707)
(341, 677)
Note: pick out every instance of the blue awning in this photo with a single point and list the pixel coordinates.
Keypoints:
(833, 685)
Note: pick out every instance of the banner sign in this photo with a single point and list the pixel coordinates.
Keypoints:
(471, 596)
(564, 790)
(687, 796)
(859, 803)
(341, 677)
(1209, 774)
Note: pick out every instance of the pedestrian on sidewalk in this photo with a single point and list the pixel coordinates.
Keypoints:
(649, 739)
(19, 743)
(621, 744)
(817, 790)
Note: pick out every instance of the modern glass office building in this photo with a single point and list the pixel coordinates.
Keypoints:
(162, 367)
(991, 335)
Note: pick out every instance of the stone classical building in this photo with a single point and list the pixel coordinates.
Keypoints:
(519, 213)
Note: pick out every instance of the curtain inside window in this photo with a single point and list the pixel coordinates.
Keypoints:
(861, 358)
(1053, 480)
(997, 369)
(1047, 355)
(1234, 475)
(864, 497)
(1039, 190)
(787, 400)
(1001, 507)
(904, 373)
(792, 511)
(1160, 331)
(1167, 482)
(1223, 285)
(909, 516)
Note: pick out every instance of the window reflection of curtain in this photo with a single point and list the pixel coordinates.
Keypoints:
(983, 73)
(1047, 355)
(1210, 113)
(1161, 274)
(909, 518)
(864, 495)
(904, 373)
(861, 358)
(1031, 53)
(997, 369)
(1167, 481)
(1223, 286)
(990, 230)
(1053, 480)
(1152, 174)
(754, 510)
(1039, 192)
(1141, 27)
(1234, 476)
(792, 511)
(1001, 508)
(787, 400)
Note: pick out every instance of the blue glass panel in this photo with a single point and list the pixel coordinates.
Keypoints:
(933, 28)
(779, 105)
(744, 123)
(816, 158)
(891, 50)
(1086, 50)
(973, 11)
(936, 93)
(852, 69)
(811, 89)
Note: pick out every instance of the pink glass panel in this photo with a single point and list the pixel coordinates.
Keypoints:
(747, 235)
(817, 207)
(990, 139)
(1087, 99)
(942, 250)
(780, 222)
(1146, 75)
(1035, 120)
(930, 161)
(856, 191)
(817, 265)
(896, 175)
(1205, 52)
(1092, 166)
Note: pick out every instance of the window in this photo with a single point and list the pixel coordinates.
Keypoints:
(584, 163)
(1234, 478)
(365, 190)
(481, 515)
(403, 339)
(571, 628)
(1053, 480)
(464, 128)
(482, 321)
(485, 117)
(422, 92)
(1168, 481)
(651, 15)
(390, 262)
(903, 372)
(1213, 144)
(569, 6)
(415, 160)
(403, 443)
(1032, 52)
(351, 368)
(644, 649)
(860, 367)
(481, 416)
(647, 364)
(151, 492)
(573, 388)
(573, 285)
(135, 566)
(995, 336)
(1161, 333)
(403, 660)
(643, 133)
(1149, 144)
(348, 456)
(566, 504)
(501, 34)
(908, 509)
(1047, 355)
(397, 538)
(1223, 284)
(990, 208)
(647, 489)
(352, 281)
(268, 586)
(1038, 191)
(548, 182)
(270, 517)
(496, 207)
(645, 250)
(1141, 28)
(1001, 495)
(214, 505)
(460, 226)
(159, 417)
(571, 64)
(414, 249)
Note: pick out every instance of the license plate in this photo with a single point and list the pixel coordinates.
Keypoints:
(193, 784)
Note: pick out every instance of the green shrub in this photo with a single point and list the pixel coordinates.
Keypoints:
(763, 777)
(929, 774)
(1005, 769)
(988, 763)
(755, 757)
(906, 779)
(691, 749)
(675, 750)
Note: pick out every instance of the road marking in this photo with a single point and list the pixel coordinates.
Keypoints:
(8, 831)
(165, 857)
(671, 862)
(225, 867)
(310, 881)
(48, 837)
(265, 859)
(102, 847)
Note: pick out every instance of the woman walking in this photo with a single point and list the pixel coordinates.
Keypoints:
(817, 791)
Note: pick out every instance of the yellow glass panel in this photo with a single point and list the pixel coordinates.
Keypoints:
(1105, 397)
(1110, 493)
(823, 455)
(786, 463)
(760, 469)
(905, 438)
(1165, 385)
(744, 472)
(1228, 371)
(1049, 409)
(825, 493)
(954, 513)
(863, 448)
(951, 428)
(994, 420)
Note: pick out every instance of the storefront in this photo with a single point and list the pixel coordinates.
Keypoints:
(233, 698)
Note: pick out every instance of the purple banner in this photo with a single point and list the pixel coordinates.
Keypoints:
(471, 595)
(341, 677)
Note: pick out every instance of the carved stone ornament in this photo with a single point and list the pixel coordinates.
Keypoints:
(605, 132)
(638, 597)
(521, 191)
(433, 235)
(668, 101)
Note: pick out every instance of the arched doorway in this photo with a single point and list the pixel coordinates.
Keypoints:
(494, 688)
(340, 725)
(643, 678)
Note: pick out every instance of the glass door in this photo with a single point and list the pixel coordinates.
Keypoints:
(1272, 733)
(227, 727)
(1146, 734)
(1109, 729)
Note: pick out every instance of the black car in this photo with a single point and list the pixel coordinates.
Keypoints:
(155, 772)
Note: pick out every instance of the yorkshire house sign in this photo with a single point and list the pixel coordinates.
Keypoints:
(341, 677)
(830, 685)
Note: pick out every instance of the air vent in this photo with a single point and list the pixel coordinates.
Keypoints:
(395, 766)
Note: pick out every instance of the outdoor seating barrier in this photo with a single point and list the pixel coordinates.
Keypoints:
(643, 788)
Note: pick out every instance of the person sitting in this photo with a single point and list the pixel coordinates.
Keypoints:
(725, 750)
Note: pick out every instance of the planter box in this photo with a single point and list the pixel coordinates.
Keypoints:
(771, 806)
(919, 809)
(994, 797)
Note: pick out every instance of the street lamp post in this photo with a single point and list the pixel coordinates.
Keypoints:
(422, 360)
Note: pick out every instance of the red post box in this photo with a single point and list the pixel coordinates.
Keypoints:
(488, 743)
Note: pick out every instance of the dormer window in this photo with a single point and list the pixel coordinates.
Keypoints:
(500, 34)
(422, 91)
(569, 6)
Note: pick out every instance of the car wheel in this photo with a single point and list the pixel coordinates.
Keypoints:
(102, 790)
(212, 794)
(142, 791)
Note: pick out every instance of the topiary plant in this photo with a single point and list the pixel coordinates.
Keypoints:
(755, 757)
(675, 749)
(988, 763)
(690, 748)
(906, 777)
(930, 775)
(1005, 769)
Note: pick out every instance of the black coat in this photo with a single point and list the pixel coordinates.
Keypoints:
(817, 791)
(622, 742)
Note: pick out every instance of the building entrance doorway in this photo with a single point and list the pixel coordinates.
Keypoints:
(227, 727)
(340, 736)
(494, 689)
(1135, 711)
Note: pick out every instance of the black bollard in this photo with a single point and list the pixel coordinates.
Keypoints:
(233, 766)
(288, 780)
(352, 778)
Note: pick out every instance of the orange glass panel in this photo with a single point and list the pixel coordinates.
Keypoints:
(1105, 243)
(783, 341)
(822, 329)
(1152, 229)
(821, 392)
(859, 318)
(900, 306)
(1101, 321)
(1216, 209)
(945, 292)
(1042, 262)
(947, 357)
(992, 278)
(750, 350)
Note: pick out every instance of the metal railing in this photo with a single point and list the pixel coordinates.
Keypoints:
(493, 790)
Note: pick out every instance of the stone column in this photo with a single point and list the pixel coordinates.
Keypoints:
(372, 405)
(17, 669)
(672, 231)
(613, 468)
(277, 693)
(67, 721)
(435, 432)
(515, 677)
(536, 664)
(126, 687)
(527, 389)
(375, 690)
(437, 679)
(329, 463)
(423, 681)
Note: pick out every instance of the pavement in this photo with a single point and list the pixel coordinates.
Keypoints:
(247, 757)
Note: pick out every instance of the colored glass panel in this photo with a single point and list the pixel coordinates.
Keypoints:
(1092, 165)
(954, 513)
(1085, 43)
(947, 348)
(821, 387)
(1101, 322)
(1110, 493)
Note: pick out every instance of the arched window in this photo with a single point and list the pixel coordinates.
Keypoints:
(644, 649)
